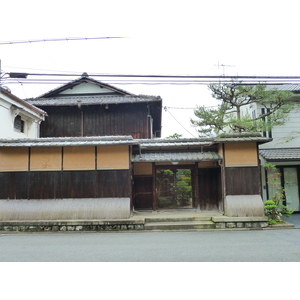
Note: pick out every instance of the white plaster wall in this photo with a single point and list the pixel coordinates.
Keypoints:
(7, 131)
(286, 135)
(65, 209)
(86, 88)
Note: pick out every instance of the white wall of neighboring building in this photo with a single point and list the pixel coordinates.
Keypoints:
(9, 110)
(284, 136)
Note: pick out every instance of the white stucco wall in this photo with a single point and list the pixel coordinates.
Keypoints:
(284, 136)
(8, 110)
(86, 88)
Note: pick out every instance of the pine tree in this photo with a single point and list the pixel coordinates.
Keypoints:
(228, 116)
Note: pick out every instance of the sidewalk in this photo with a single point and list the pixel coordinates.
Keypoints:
(175, 214)
(293, 219)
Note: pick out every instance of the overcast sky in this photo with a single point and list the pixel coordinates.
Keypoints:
(162, 37)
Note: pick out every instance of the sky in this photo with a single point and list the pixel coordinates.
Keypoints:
(160, 37)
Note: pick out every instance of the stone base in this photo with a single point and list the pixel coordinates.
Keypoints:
(244, 206)
(240, 222)
(46, 226)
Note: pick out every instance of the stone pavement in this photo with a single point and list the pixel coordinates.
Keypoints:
(293, 219)
(192, 219)
(175, 214)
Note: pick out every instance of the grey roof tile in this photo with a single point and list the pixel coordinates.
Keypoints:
(176, 156)
(155, 143)
(283, 154)
(68, 141)
(284, 87)
(91, 100)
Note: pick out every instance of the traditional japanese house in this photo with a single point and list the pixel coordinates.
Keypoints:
(97, 158)
(109, 177)
(87, 107)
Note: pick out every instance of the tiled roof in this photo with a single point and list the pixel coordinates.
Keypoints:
(69, 141)
(246, 137)
(25, 103)
(176, 156)
(284, 87)
(283, 154)
(155, 143)
(83, 79)
(91, 100)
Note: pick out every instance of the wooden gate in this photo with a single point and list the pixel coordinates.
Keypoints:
(143, 192)
(209, 188)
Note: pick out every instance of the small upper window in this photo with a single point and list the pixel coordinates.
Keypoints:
(19, 124)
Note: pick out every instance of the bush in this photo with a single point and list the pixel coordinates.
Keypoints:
(274, 208)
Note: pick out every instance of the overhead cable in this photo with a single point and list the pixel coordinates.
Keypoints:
(57, 40)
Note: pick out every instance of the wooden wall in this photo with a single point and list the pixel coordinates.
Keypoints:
(96, 120)
(242, 173)
(242, 181)
(68, 172)
(67, 184)
(241, 154)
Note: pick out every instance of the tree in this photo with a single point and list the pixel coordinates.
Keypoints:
(229, 115)
(175, 136)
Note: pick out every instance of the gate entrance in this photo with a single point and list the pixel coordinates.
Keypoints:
(174, 188)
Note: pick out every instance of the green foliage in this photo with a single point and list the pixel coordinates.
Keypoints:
(228, 117)
(174, 136)
(174, 188)
(273, 207)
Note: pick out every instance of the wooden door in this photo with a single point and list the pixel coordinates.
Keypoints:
(143, 192)
(209, 188)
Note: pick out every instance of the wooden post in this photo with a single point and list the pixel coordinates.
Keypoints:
(154, 194)
(196, 186)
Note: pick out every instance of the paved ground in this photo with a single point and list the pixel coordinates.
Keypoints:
(183, 213)
(205, 246)
(294, 219)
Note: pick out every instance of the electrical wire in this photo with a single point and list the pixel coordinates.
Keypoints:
(56, 40)
(151, 79)
(178, 122)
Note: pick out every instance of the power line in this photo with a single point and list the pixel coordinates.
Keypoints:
(178, 122)
(67, 39)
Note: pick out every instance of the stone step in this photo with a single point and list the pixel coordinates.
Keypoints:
(180, 225)
(179, 219)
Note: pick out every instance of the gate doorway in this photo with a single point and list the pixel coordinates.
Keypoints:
(174, 188)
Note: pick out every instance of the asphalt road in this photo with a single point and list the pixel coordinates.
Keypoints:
(210, 246)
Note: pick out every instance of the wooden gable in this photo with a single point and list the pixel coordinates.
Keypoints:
(87, 107)
(85, 86)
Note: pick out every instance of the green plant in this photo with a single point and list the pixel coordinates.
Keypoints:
(273, 207)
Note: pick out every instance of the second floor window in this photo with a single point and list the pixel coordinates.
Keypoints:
(19, 124)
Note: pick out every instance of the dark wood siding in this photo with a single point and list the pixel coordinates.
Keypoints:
(66, 184)
(96, 120)
(14, 185)
(78, 184)
(143, 192)
(45, 185)
(61, 121)
(113, 183)
(242, 181)
(209, 188)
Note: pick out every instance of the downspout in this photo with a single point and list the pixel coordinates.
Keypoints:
(149, 123)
